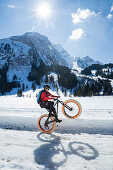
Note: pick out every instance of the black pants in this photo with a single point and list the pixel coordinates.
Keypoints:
(49, 105)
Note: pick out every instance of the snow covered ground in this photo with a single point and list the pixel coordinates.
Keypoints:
(83, 143)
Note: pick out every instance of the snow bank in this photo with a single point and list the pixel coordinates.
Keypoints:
(100, 107)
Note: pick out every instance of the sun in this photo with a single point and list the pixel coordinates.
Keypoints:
(43, 11)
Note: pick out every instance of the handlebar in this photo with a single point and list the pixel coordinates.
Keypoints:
(56, 98)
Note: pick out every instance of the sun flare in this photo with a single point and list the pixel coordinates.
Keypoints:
(44, 10)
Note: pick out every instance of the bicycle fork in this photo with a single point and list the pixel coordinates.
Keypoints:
(69, 108)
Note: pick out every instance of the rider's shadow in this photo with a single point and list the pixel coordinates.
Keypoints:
(53, 155)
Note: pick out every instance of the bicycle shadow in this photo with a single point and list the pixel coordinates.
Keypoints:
(83, 150)
(48, 154)
(52, 154)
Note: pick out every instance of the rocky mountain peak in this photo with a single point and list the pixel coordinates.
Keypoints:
(85, 62)
(31, 47)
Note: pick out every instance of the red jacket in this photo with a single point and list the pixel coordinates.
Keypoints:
(45, 96)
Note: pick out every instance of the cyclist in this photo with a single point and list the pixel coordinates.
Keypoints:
(49, 105)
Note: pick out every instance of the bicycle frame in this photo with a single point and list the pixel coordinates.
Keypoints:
(70, 108)
(56, 104)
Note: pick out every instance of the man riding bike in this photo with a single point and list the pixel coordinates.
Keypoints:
(49, 105)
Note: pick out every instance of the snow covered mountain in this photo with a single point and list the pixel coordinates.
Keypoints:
(20, 56)
(85, 62)
(33, 47)
(29, 48)
(65, 54)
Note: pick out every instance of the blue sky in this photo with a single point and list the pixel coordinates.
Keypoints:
(82, 27)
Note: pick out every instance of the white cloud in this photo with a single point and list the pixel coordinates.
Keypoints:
(76, 34)
(109, 16)
(81, 15)
(11, 6)
(111, 8)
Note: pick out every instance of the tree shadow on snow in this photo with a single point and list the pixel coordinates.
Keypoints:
(52, 154)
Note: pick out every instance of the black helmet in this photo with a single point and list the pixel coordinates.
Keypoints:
(46, 86)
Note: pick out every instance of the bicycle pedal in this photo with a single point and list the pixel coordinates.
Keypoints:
(59, 121)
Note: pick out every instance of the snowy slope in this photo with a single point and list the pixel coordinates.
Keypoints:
(76, 67)
(65, 55)
(14, 53)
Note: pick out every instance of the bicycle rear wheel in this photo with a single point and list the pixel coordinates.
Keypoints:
(43, 127)
(72, 109)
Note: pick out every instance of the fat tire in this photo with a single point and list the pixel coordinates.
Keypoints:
(77, 104)
(39, 124)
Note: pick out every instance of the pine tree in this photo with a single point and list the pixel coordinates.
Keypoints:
(14, 77)
(23, 87)
(51, 79)
(26, 86)
(46, 79)
(65, 92)
(33, 86)
(56, 86)
(19, 93)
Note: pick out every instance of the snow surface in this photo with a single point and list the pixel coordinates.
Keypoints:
(76, 67)
(83, 143)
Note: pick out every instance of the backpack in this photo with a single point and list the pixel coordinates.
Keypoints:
(39, 97)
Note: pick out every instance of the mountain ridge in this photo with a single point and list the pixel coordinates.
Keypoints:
(30, 59)
(86, 62)
(34, 47)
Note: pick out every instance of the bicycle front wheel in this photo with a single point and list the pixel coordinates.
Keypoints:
(46, 128)
(72, 109)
